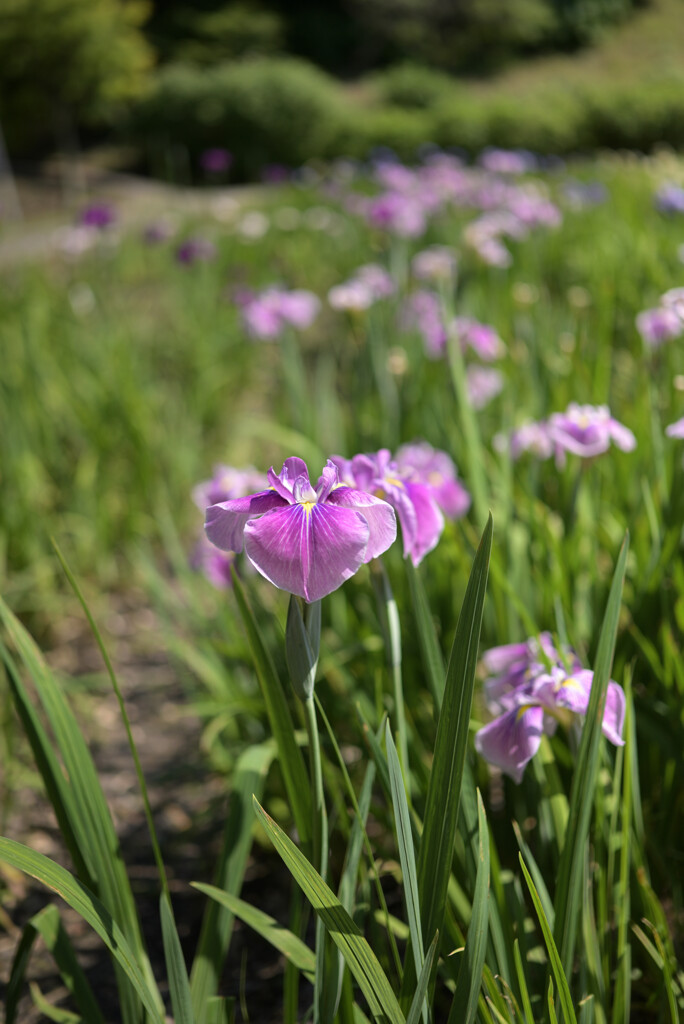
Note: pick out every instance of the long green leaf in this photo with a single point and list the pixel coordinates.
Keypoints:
(91, 910)
(464, 1005)
(90, 822)
(568, 898)
(290, 757)
(407, 856)
(358, 955)
(551, 948)
(433, 662)
(48, 924)
(292, 947)
(444, 787)
(419, 997)
(217, 924)
(124, 715)
(177, 972)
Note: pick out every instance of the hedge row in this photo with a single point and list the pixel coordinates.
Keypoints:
(286, 111)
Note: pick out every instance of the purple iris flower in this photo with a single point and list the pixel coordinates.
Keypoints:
(676, 429)
(216, 160)
(587, 431)
(436, 469)
(670, 199)
(422, 312)
(674, 299)
(98, 215)
(415, 502)
(507, 161)
(580, 194)
(656, 326)
(195, 250)
(266, 314)
(530, 437)
(482, 384)
(399, 214)
(482, 338)
(304, 540)
(533, 689)
(436, 263)
(227, 482)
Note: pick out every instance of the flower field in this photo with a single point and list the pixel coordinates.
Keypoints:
(391, 457)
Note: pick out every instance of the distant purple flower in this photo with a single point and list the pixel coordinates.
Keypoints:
(369, 284)
(531, 437)
(227, 482)
(306, 541)
(98, 215)
(531, 687)
(676, 429)
(482, 384)
(158, 231)
(216, 160)
(508, 161)
(195, 250)
(481, 338)
(266, 314)
(216, 566)
(415, 502)
(436, 263)
(275, 174)
(399, 214)
(435, 468)
(378, 281)
(422, 311)
(352, 296)
(580, 194)
(670, 198)
(674, 299)
(587, 431)
(656, 326)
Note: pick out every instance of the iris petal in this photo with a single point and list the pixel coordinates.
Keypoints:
(225, 522)
(379, 515)
(308, 550)
(512, 740)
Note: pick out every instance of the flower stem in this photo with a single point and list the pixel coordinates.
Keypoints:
(320, 841)
(391, 628)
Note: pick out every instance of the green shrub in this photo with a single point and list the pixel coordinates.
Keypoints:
(264, 110)
(637, 116)
(401, 130)
(412, 86)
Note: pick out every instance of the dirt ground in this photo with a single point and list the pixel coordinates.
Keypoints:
(189, 804)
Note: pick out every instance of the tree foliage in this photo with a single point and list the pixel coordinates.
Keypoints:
(74, 58)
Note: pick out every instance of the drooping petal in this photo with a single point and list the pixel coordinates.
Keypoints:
(225, 522)
(395, 492)
(308, 550)
(429, 521)
(511, 740)
(614, 714)
(379, 514)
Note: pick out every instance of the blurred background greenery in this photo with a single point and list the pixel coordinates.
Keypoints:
(163, 80)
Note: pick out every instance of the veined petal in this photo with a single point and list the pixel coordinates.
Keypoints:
(225, 522)
(308, 550)
(284, 481)
(614, 714)
(379, 515)
(429, 521)
(396, 493)
(328, 479)
(512, 740)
